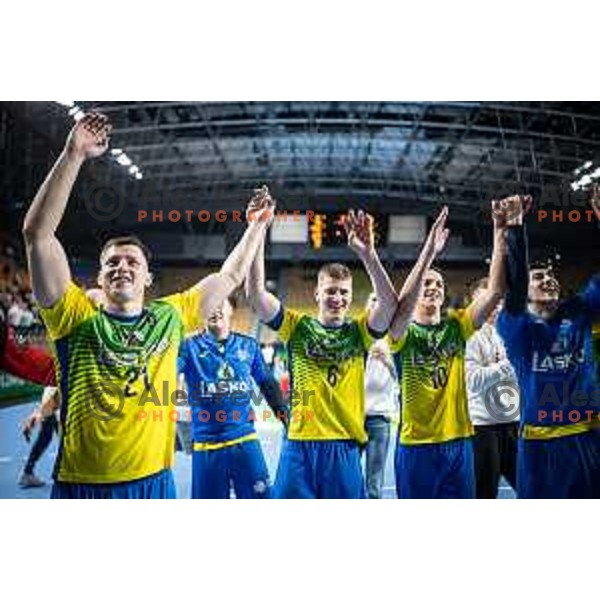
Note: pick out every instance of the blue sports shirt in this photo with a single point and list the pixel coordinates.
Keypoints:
(222, 380)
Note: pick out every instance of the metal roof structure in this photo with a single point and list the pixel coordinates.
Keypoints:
(388, 157)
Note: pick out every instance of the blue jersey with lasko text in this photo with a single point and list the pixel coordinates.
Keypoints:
(554, 363)
(222, 380)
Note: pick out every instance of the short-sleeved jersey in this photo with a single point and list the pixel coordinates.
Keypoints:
(435, 406)
(327, 366)
(222, 379)
(118, 380)
(553, 360)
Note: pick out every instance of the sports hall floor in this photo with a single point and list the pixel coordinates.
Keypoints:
(14, 450)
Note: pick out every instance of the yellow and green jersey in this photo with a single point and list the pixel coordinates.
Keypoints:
(435, 406)
(327, 366)
(117, 378)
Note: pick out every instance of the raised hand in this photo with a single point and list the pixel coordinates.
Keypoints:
(438, 236)
(359, 229)
(261, 207)
(510, 211)
(90, 137)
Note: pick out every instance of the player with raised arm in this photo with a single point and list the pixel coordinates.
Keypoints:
(112, 360)
(549, 343)
(321, 458)
(434, 455)
(222, 369)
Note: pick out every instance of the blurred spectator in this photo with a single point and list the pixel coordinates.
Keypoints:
(15, 290)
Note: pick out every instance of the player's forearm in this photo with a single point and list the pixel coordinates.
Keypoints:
(272, 393)
(517, 270)
(255, 282)
(488, 301)
(409, 294)
(382, 315)
(497, 277)
(237, 265)
(48, 207)
(264, 304)
(218, 287)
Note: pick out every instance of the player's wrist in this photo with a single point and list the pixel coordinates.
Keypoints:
(74, 155)
(368, 255)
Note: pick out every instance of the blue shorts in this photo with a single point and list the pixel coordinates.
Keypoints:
(323, 470)
(436, 471)
(561, 468)
(242, 466)
(155, 487)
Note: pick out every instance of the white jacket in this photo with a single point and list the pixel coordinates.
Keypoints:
(381, 383)
(488, 370)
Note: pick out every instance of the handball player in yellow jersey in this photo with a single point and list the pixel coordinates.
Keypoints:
(434, 455)
(321, 458)
(115, 363)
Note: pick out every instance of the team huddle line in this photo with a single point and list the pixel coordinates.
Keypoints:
(404, 346)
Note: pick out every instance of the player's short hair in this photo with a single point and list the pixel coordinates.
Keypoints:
(127, 240)
(439, 272)
(335, 271)
(542, 265)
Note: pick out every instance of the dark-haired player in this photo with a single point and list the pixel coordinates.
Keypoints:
(109, 358)
(434, 456)
(549, 343)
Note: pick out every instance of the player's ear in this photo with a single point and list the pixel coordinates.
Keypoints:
(149, 279)
(317, 295)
